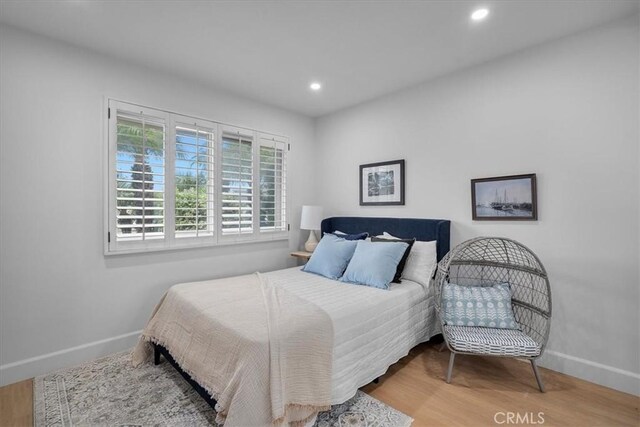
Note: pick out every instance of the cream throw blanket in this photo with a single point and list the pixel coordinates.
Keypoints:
(263, 353)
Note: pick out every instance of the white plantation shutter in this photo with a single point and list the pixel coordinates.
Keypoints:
(273, 180)
(139, 177)
(194, 179)
(237, 201)
(175, 181)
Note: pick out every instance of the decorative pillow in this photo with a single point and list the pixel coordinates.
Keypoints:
(331, 256)
(401, 264)
(421, 262)
(358, 236)
(487, 306)
(374, 264)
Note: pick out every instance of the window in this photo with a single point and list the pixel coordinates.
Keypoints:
(140, 154)
(194, 181)
(237, 182)
(273, 195)
(177, 181)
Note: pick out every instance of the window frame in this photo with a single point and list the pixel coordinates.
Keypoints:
(170, 242)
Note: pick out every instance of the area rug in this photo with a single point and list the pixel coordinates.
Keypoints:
(110, 392)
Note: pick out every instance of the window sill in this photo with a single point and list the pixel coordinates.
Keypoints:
(179, 248)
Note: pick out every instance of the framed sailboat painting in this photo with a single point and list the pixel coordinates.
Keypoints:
(503, 198)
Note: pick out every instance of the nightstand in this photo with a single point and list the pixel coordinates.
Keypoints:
(303, 255)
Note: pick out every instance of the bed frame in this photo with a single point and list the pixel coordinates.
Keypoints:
(421, 229)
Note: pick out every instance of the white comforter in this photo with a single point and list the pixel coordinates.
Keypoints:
(221, 344)
(373, 328)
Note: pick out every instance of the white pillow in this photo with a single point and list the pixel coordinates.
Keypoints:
(422, 261)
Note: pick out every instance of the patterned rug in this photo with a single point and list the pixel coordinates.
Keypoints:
(109, 391)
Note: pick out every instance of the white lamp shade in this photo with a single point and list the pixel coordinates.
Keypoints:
(311, 218)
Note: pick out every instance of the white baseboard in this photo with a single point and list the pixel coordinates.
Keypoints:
(608, 376)
(50, 362)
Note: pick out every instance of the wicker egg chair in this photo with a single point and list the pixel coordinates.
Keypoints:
(487, 261)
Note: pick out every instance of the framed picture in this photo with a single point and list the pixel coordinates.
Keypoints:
(382, 183)
(504, 198)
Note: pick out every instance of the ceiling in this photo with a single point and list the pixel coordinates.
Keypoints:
(271, 50)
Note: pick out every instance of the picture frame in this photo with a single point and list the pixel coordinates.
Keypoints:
(382, 184)
(504, 198)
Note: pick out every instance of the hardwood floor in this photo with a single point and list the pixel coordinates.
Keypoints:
(16, 404)
(483, 391)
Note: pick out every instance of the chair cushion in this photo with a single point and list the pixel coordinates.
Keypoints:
(491, 341)
(488, 306)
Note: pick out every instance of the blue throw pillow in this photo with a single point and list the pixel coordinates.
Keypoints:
(403, 261)
(358, 236)
(331, 256)
(485, 306)
(374, 264)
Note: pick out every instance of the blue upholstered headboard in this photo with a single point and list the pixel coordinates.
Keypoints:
(421, 229)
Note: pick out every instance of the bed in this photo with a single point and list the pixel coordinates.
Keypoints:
(371, 328)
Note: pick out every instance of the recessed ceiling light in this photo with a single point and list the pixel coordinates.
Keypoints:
(479, 14)
(315, 86)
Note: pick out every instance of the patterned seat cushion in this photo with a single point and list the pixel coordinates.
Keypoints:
(491, 341)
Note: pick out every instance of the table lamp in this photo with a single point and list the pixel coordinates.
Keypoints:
(310, 220)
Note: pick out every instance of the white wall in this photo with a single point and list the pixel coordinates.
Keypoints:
(567, 111)
(57, 290)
